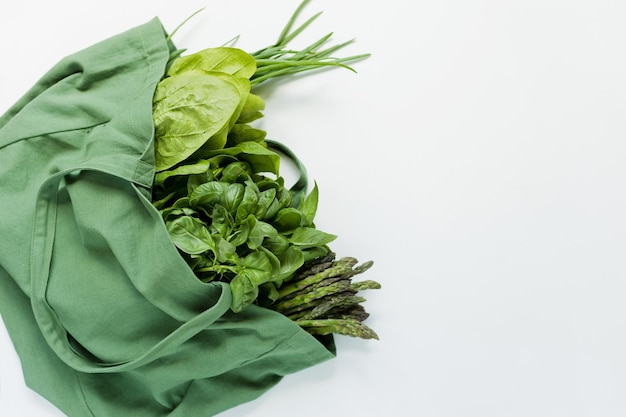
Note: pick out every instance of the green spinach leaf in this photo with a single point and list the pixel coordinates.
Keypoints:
(189, 110)
(229, 60)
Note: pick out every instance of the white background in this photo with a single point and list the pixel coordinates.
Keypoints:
(477, 157)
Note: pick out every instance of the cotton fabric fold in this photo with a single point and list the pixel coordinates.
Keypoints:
(106, 317)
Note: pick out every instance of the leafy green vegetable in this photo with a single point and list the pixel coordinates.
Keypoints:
(252, 109)
(258, 156)
(221, 196)
(309, 237)
(190, 235)
(189, 109)
(238, 225)
(227, 60)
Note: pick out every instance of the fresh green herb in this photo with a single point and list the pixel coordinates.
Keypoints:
(278, 60)
(233, 224)
(219, 190)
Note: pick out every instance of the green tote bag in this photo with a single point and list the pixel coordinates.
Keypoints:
(106, 317)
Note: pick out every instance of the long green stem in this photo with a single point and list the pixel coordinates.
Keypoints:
(277, 60)
(169, 37)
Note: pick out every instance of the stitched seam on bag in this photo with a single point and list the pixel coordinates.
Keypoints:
(275, 347)
(144, 174)
(151, 85)
(82, 394)
(39, 135)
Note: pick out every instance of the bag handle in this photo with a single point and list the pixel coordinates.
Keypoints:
(51, 327)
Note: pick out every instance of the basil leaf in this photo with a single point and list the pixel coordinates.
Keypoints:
(277, 244)
(287, 219)
(173, 212)
(233, 196)
(308, 237)
(258, 156)
(308, 206)
(265, 200)
(208, 194)
(243, 290)
(284, 198)
(256, 270)
(315, 252)
(248, 204)
(272, 210)
(196, 180)
(290, 261)
(274, 261)
(221, 221)
(240, 235)
(189, 235)
(236, 172)
(225, 251)
(260, 231)
(258, 261)
(198, 167)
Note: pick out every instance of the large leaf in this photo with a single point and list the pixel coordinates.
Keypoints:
(258, 156)
(309, 237)
(198, 167)
(287, 218)
(252, 109)
(243, 132)
(189, 110)
(208, 194)
(229, 60)
(243, 86)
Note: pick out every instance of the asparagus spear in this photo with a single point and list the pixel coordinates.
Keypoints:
(312, 295)
(348, 327)
(338, 268)
(320, 308)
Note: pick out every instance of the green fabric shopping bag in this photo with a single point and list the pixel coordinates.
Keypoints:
(106, 317)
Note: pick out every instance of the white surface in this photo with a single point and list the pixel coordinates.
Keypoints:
(477, 157)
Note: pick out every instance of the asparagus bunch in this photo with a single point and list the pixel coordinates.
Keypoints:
(323, 299)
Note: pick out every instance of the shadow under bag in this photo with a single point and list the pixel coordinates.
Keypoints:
(107, 318)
